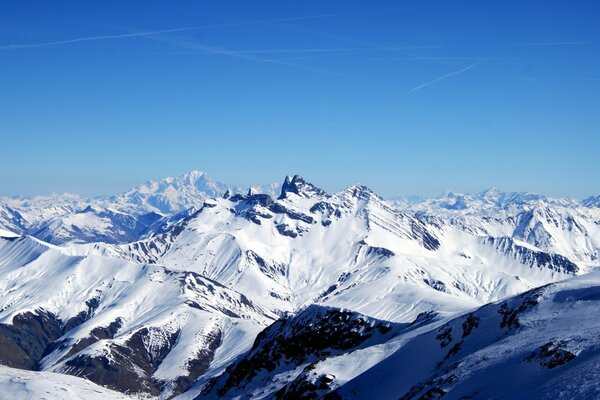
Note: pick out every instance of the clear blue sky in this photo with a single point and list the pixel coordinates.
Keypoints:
(407, 97)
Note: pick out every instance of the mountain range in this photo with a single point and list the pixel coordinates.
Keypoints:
(191, 288)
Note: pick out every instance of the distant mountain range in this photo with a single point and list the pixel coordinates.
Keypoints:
(189, 287)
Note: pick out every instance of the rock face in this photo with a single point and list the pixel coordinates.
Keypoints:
(313, 335)
(25, 341)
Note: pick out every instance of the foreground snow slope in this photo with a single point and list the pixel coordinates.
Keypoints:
(542, 344)
(17, 384)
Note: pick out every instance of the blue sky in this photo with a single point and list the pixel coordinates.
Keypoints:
(407, 97)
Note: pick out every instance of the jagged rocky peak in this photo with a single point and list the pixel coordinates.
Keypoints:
(300, 187)
(252, 191)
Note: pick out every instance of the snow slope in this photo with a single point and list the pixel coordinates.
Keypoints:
(17, 384)
(542, 344)
(114, 321)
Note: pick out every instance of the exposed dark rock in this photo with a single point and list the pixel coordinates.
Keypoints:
(300, 187)
(533, 258)
(277, 208)
(272, 270)
(23, 344)
(130, 366)
(444, 335)
(552, 355)
(303, 389)
(510, 316)
(429, 241)
(435, 284)
(316, 333)
(200, 363)
(377, 252)
(471, 322)
(286, 230)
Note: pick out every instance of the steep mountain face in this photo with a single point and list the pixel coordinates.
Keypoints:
(93, 224)
(542, 344)
(293, 345)
(557, 226)
(11, 219)
(592, 201)
(130, 327)
(162, 290)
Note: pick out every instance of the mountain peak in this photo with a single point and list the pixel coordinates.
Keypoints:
(361, 192)
(300, 187)
(491, 193)
(193, 176)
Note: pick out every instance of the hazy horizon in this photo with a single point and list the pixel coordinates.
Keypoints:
(123, 188)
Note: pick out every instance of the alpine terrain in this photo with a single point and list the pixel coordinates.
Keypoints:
(189, 288)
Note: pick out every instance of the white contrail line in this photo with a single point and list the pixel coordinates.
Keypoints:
(454, 73)
(542, 44)
(441, 78)
(205, 49)
(158, 32)
(92, 38)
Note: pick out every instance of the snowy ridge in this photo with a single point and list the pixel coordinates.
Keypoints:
(162, 289)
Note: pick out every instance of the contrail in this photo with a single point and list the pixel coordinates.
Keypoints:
(542, 44)
(454, 73)
(92, 38)
(441, 78)
(158, 32)
(191, 45)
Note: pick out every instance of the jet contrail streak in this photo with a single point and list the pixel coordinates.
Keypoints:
(441, 78)
(158, 32)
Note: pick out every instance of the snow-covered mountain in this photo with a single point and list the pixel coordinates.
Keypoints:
(71, 219)
(542, 344)
(592, 201)
(491, 203)
(173, 195)
(11, 220)
(163, 289)
(128, 326)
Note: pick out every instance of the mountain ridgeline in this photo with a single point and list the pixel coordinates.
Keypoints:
(190, 288)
